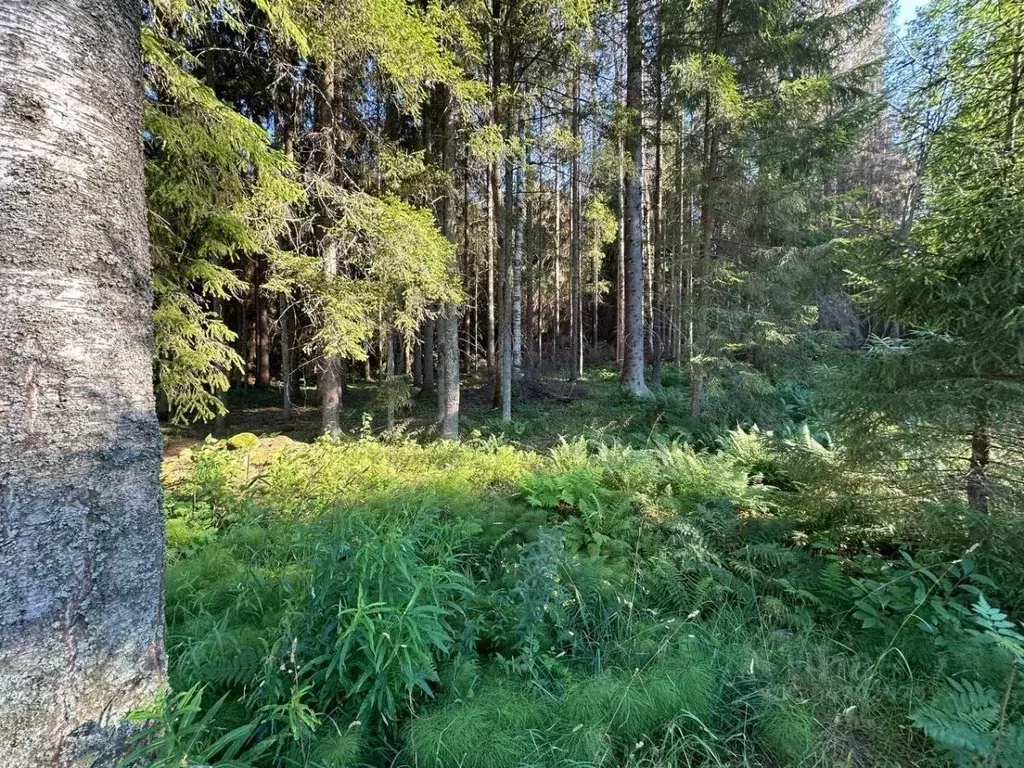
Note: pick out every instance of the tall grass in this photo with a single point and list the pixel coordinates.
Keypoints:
(600, 603)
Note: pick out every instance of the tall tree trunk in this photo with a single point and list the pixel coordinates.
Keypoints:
(475, 332)
(682, 233)
(979, 492)
(329, 382)
(505, 353)
(417, 364)
(517, 273)
(658, 325)
(507, 244)
(82, 532)
(633, 358)
(390, 353)
(448, 391)
(471, 266)
(220, 421)
(646, 229)
(595, 275)
(262, 327)
(492, 238)
(539, 310)
(556, 333)
(448, 372)
(497, 306)
(576, 245)
(703, 272)
(595, 298)
(620, 237)
(428, 355)
(528, 281)
(249, 334)
(284, 314)
(620, 271)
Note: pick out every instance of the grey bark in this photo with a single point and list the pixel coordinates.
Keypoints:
(220, 421)
(284, 310)
(448, 391)
(390, 351)
(576, 243)
(248, 334)
(505, 324)
(448, 372)
(492, 204)
(329, 382)
(556, 333)
(287, 364)
(81, 529)
(620, 272)
(633, 350)
(979, 491)
(658, 324)
(682, 233)
(491, 239)
(496, 277)
(702, 278)
(465, 354)
(417, 364)
(517, 275)
(428, 356)
(620, 237)
(263, 340)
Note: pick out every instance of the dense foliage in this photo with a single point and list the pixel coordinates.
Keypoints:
(620, 599)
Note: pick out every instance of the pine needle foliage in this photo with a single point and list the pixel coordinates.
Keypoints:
(217, 192)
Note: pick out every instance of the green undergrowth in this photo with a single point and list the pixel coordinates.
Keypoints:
(602, 603)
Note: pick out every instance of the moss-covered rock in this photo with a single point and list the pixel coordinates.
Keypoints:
(243, 441)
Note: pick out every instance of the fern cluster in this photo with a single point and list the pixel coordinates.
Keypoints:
(391, 603)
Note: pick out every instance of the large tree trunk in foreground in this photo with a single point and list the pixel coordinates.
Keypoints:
(633, 353)
(81, 531)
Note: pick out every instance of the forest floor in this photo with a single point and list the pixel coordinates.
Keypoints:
(599, 583)
(551, 406)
